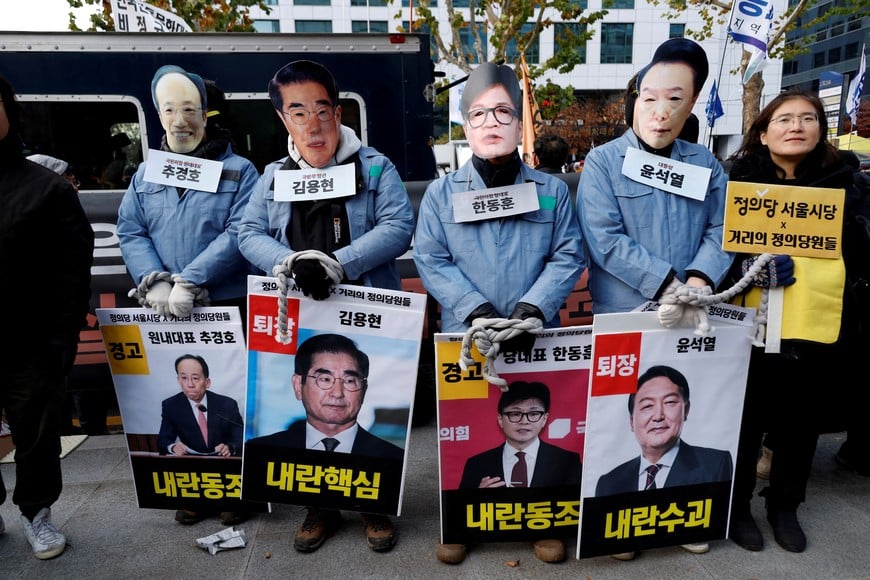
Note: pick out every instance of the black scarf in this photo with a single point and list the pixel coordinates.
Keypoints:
(494, 175)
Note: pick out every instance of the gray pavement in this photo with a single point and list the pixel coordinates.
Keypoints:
(110, 537)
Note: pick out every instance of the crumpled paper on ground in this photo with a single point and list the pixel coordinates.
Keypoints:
(223, 540)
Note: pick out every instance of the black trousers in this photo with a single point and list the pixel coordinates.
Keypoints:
(32, 394)
(793, 397)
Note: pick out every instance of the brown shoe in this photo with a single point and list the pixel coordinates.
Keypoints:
(380, 532)
(188, 517)
(551, 551)
(234, 518)
(762, 468)
(319, 524)
(451, 553)
(624, 556)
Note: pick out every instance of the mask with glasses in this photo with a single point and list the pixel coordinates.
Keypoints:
(786, 121)
(503, 115)
(326, 382)
(186, 112)
(301, 116)
(517, 416)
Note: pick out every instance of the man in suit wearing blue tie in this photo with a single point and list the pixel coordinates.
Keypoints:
(657, 411)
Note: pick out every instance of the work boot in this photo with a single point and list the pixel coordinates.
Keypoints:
(451, 553)
(188, 517)
(551, 551)
(786, 529)
(380, 532)
(318, 525)
(762, 468)
(743, 530)
(234, 518)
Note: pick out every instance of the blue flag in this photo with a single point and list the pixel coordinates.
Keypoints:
(714, 106)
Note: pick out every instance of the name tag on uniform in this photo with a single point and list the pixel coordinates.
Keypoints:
(183, 171)
(495, 202)
(312, 184)
(667, 174)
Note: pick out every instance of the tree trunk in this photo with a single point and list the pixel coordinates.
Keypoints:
(752, 91)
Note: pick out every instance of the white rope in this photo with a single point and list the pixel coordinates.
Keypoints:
(284, 270)
(683, 305)
(487, 334)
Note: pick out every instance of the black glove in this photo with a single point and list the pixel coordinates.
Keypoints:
(779, 272)
(311, 278)
(524, 342)
(485, 310)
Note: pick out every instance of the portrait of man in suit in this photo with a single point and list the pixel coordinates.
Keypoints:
(523, 460)
(330, 379)
(198, 421)
(657, 412)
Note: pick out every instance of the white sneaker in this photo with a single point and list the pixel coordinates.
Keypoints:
(44, 538)
(696, 548)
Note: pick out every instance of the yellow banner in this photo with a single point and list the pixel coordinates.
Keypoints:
(453, 383)
(127, 355)
(781, 219)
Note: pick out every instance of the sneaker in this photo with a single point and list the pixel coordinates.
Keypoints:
(551, 551)
(44, 538)
(762, 468)
(318, 525)
(701, 548)
(451, 553)
(380, 532)
(786, 529)
(234, 518)
(188, 517)
(624, 556)
(744, 532)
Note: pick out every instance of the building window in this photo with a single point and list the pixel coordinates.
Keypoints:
(851, 51)
(818, 59)
(676, 30)
(314, 26)
(271, 2)
(619, 4)
(460, 3)
(311, 2)
(616, 43)
(834, 55)
(790, 67)
(467, 40)
(267, 26)
(565, 32)
(368, 26)
(429, 3)
(533, 52)
(837, 30)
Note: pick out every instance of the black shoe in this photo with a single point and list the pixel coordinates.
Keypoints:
(847, 459)
(786, 529)
(744, 532)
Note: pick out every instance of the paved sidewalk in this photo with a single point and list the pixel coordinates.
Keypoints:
(111, 538)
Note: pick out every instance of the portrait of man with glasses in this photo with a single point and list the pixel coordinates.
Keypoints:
(523, 460)
(330, 379)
